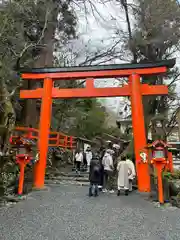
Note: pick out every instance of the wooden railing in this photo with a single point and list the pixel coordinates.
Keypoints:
(56, 139)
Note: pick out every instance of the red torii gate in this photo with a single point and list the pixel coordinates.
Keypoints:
(134, 89)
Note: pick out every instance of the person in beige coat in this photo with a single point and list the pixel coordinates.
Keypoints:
(124, 172)
(133, 172)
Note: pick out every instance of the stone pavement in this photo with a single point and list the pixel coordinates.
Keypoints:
(65, 212)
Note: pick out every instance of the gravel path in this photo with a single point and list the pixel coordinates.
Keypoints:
(65, 212)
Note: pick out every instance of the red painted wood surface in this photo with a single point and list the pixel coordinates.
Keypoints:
(170, 159)
(90, 91)
(139, 132)
(58, 139)
(22, 160)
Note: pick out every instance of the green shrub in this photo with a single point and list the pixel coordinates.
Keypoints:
(167, 175)
(176, 174)
(170, 176)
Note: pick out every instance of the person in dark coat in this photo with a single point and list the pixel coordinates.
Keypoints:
(101, 155)
(94, 176)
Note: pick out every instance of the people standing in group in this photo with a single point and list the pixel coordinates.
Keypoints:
(107, 163)
(124, 171)
(88, 156)
(132, 173)
(94, 176)
(78, 160)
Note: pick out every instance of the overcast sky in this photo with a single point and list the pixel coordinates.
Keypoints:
(96, 30)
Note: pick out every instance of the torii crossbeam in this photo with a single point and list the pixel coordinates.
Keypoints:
(134, 89)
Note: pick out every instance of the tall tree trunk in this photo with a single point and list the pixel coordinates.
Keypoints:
(9, 116)
(45, 59)
(125, 6)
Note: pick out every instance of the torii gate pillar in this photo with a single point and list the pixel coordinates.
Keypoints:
(139, 132)
(44, 128)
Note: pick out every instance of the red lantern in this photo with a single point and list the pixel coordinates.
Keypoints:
(160, 161)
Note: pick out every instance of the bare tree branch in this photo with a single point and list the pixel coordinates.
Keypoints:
(32, 45)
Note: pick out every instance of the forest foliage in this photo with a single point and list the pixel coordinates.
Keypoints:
(32, 34)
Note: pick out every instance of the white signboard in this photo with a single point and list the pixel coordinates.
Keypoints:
(143, 156)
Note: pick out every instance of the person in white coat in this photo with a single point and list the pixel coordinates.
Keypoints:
(89, 156)
(124, 172)
(133, 172)
(78, 160)
(108, 165)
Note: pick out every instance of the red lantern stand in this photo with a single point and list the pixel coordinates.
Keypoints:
(22, 159)
(160, 160)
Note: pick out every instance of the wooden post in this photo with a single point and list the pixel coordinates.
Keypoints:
(58, 139)
(139, 133)
(29, 134)
(159, 166)
(170, 159)
(21, 178)
(65, 141)
(45, 120)
(160, 185)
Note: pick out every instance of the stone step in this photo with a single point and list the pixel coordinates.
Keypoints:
(72, 177)
(67, 178)
(69, 174)
(52, 182)
(82, 169)
(75, 179)
(73, 182)
(65, 174)
(85, 175)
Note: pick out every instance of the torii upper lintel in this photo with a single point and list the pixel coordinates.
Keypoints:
(100, 71)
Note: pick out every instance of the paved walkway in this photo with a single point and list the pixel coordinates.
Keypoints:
(66, 213)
